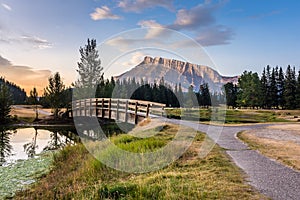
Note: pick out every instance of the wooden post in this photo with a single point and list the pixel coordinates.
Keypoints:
(135, 113)
(103, 111)
(148, 110)
(126, 108)
(91, 113)
(97, 108)
(118, 104)
(109, 109)
(85, 108)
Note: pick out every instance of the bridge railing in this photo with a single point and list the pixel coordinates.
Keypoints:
(126, 110)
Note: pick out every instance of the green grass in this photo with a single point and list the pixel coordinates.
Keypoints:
(229, 116)
(78, 175)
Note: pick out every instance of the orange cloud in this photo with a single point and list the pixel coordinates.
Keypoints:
(24, 76)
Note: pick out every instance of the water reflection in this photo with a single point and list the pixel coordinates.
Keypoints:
(24, 143)
(5, 146)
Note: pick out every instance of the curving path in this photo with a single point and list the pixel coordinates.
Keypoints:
(268, 176)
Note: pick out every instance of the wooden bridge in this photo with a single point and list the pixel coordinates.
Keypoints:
(125, 110)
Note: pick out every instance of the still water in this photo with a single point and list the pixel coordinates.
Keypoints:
(22, 143)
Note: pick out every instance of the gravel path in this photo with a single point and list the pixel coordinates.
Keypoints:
(268, 176)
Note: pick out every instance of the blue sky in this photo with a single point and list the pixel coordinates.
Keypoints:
(39, 37)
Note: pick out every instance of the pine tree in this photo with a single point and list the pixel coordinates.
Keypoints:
(33, 99)
(249, 90)
(89, 70)
(231, 94)
(180, 96)
(5, 103)
(298, 91)
(264, 88)
(54, 91)
(280, 86)
(290, 88)
(273, 91)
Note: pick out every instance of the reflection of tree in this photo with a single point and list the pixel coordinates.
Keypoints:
(60, 138)
(30, 147)
(5, 146)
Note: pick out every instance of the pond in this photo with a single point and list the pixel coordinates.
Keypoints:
(26, 154)
(23, 143)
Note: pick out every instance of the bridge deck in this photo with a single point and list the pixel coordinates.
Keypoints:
(125, 110)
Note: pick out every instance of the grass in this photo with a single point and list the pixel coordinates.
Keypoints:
(230, 116)
(285, 152)
(78, 175)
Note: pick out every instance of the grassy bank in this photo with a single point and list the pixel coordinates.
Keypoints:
(231, 116)
(78, 175)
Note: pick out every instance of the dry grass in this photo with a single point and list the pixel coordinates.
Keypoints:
(27, 112)
(285, 151)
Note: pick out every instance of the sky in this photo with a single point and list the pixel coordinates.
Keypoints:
(40, 37)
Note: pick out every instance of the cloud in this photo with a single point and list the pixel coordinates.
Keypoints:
(24, 76)
(217, 35)
(154, 29)
(4, 61)
(104, 13)
(7, 7)
(199, 20)
(36, 42)
(139, 5)
(198, 16)
(135, 59)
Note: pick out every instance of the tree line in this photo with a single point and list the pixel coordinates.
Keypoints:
(274, 89)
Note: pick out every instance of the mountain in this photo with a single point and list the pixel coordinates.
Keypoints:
(175, 72)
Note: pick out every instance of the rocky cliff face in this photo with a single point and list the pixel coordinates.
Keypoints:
(175, 72)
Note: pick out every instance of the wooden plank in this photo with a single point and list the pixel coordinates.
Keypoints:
(118, 114)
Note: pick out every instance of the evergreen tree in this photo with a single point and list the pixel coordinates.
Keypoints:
(280, 87)
(5, 104)
(89, 69)
(231, 94)
(273, 90)
(290, 88)
(54, 91)
(180, 96)
(190, 97)
(33, 99)
(249, 90)
(298, 91)
(264, 89)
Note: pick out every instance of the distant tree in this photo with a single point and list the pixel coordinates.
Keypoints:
(264, 89)
(231, 94)
(5, 103)
(280, 87)
(190, 97)
(33, 99)
(249, 90)
(273, 90)
(54, 91)
(180, 95)
(89, 69)
(298, 90)
(290, 88)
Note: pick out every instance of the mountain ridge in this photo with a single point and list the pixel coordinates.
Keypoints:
(152, 69)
